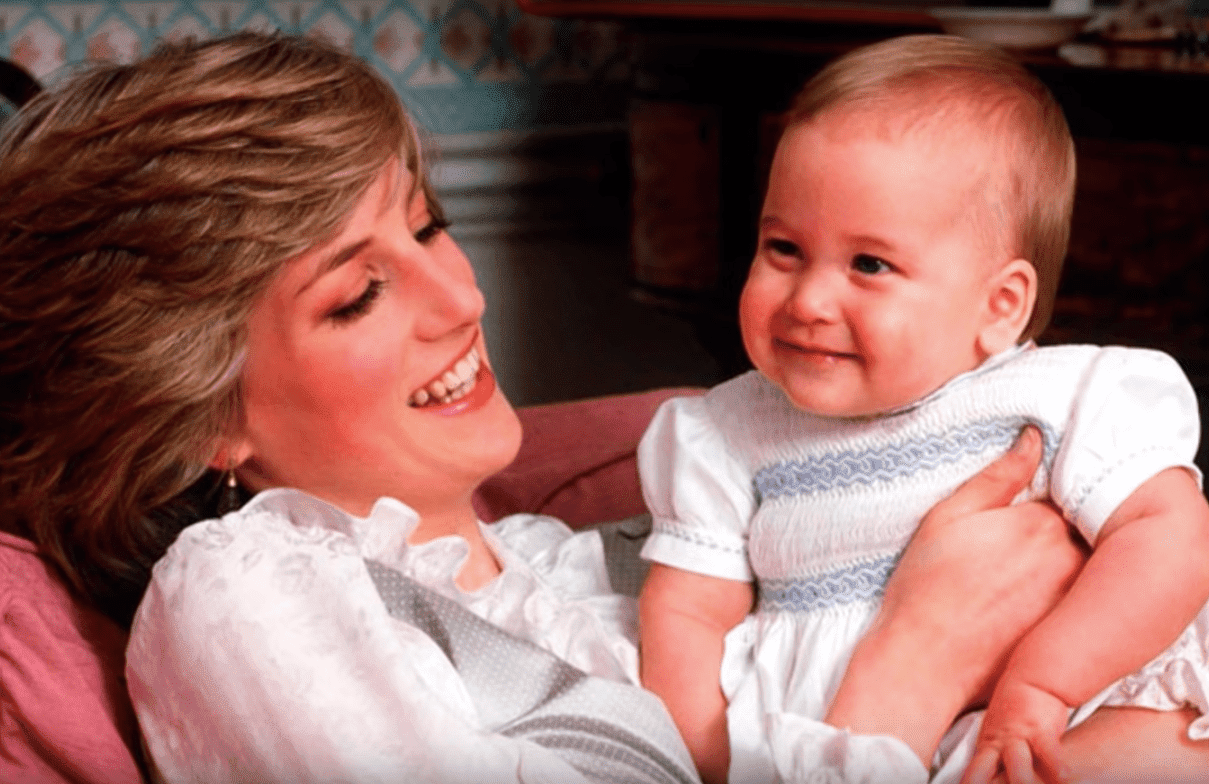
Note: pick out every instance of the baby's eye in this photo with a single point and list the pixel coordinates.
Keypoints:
(782, 247)
(869, 265)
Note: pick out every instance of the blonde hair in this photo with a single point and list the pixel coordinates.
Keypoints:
(146, 206)
(955, 87)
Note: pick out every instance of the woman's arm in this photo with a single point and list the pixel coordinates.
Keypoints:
(975, 577)
(684, 617)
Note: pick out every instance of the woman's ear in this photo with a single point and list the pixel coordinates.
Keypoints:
(1011, 294)
(232, 451)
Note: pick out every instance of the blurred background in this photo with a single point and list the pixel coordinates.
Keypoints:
(602, 160)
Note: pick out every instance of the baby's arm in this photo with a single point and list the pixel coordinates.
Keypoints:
(1144, 583)
(684, 617)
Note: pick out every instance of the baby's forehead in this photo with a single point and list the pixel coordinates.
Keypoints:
(956, 152)
(911, 133)
(942, 110)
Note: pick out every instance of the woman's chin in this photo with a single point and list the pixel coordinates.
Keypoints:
(494, 435)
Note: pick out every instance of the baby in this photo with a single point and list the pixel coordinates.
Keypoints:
(910, 243)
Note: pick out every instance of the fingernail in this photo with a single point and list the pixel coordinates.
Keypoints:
(1022, 437)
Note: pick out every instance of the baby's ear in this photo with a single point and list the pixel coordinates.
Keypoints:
(1011, 294)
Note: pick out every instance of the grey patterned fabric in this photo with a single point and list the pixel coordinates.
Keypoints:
(612, 733)
(623, 542)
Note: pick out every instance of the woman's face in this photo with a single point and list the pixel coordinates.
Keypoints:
(366, 373)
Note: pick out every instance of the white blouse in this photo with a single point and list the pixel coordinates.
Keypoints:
(262, 651)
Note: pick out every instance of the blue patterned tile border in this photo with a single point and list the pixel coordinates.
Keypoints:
(460, 65)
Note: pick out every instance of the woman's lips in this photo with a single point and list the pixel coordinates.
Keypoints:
(452, 385)
(477, 397)
(465, 386)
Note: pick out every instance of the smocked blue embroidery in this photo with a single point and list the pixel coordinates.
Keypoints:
(862, 582)
(887, 463)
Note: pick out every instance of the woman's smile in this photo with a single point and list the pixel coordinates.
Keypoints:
(466, 385)
(454, 383)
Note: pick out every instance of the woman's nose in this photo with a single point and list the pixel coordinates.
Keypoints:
(449, 297)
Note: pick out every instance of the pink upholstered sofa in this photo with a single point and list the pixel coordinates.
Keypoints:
(64, 715)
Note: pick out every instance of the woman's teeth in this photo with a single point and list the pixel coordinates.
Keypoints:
(454, 384)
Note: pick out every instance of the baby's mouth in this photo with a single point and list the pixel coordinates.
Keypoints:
(811, 350)
(454, 384)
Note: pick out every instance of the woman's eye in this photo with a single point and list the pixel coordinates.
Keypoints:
(430, 230)
(360, 306)
(869, 265)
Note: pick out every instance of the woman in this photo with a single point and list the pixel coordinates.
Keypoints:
(224, 272)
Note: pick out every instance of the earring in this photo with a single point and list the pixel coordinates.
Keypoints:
(229, 500)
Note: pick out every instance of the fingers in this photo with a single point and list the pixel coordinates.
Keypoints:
(1018, 762)
(1000, 482)
(1012, 764)
(983, 767)
(1047, 752)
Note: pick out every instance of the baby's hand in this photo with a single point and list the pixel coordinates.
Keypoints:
(1020, 737)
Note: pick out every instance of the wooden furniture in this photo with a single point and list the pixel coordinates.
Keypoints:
(16, 85)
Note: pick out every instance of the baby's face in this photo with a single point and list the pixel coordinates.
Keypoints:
(870, 282)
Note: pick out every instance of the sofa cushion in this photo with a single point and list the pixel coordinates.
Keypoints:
(577, 461)
(64, 714)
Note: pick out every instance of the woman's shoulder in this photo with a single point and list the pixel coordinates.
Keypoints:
(256, 529)
(249, 563)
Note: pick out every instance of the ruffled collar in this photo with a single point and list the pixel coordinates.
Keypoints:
(382, 536)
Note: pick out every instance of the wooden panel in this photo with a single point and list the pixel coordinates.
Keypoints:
(676, 205)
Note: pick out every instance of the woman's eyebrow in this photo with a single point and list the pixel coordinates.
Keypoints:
(335, 260)
(343, 255)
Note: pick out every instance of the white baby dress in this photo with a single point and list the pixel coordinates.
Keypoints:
(744, 486)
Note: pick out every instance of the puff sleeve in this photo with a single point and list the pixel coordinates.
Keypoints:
(700, 496)
(1135, 415)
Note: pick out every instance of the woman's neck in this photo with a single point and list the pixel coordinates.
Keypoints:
(480, 566)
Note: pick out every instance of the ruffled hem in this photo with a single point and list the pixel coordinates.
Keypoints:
(810, 752)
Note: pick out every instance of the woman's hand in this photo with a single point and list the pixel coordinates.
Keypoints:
(975, 577)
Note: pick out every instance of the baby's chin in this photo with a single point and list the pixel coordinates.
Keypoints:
(839, 405)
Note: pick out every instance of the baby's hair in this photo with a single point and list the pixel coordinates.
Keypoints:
(146, 206)
(958, 88)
